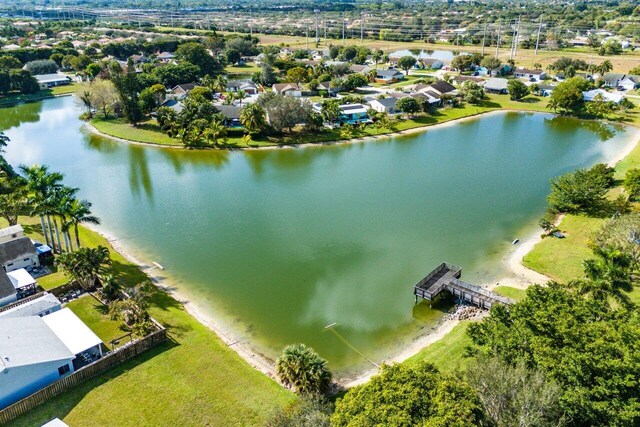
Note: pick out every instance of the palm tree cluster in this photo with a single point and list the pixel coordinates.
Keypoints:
(302, 369)
(37, 191)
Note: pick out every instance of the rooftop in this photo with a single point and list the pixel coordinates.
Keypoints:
(49, 78)
(10, 231)
(33, 307)
(16, 249)
(28, 341)
(75, 335)
(6, 286)
(21, 278)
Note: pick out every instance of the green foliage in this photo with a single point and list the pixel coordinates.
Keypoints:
(297, 75)
(85, 265)
(127, 86)
(196, 54)
(567, 96)
(472, 92)
(547, 223)
(514, 395)
(580, 191)
(354, 81)
(233, 56)
(253, 118)
(408, 105)
(632, 183)
(599, 107)
(305, 412)
(583, 344)
(490, 62)
(463, 62)
(406, 62)
(517, 90)
(9, 63)
(172, 75)
(41, 66)
(610, 47)
(409, 395)
(302, 369)
(22, 81)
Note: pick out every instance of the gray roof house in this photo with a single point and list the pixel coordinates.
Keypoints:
(612, 79)
(231, 114)
(496, 85)
(8, 293)
(17, 254)
(385, 105)
(389, 76)
(50, 80)
(11, 233)
(41, 306)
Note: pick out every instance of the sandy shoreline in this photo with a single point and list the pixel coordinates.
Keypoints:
(517, 276)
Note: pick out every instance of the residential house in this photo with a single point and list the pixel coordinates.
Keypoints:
(591, 95)
(231, 114)
(613, 79)
(175, 105)
(47, 81)
(23, 282)
(459, 80)
(432, 63)
(13, 232)
(629, 82)
(546, 90)
(502, 70)
(388, 76)
(331, 90)
(530, 75)
(32, 357)
(353, 114)
(441, 87)
(496, 85)
(165, 57)
(37, 351)
(259, 59)
(289, 89)
(385, 105)
(362, 69)
(41, 306)
(8, 292)
(17, 254)
(181, 91)
(248, 86)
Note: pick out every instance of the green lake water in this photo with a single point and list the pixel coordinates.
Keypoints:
(281, 243)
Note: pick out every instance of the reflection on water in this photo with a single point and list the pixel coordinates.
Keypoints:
(283, 242)
(24, 113)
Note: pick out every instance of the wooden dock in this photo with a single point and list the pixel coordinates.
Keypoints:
(446, 277)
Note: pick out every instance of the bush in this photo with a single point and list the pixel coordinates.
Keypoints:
(41, 66)
(517, 90)
(302, 369)
(632, 183)
(580, 191)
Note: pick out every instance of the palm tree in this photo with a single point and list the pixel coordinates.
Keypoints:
(214, 132)
(301, 368)
(79, 212)
(253, 117)
(57, 202)
(607, 276)
(240, 95)
(220, 83)
(85, 265)
(42, 184)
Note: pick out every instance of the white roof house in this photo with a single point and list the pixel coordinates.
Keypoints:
(56, 422)
(21, 278)
(54, 79)
(31, 357)
(496, 85)
(8, 234)
(591, 95)
(72, 331)
(41, 306)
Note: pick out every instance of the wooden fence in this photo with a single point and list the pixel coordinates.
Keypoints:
(121, 355)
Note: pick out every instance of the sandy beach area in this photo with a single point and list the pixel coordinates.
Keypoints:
(517, 275)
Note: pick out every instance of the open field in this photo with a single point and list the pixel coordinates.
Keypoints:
(523, 58)
(509, 292)
(192, 380)
(96, 316)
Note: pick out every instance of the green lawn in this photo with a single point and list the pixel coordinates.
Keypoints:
(242, 70)
(515, 294)
(43, 94)
(96, 316)
(448, 353)
(148, 132)
(192, 380)
(561, 259)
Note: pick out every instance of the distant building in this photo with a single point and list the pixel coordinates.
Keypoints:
(353, 114)
(591, 95)
(165, 56)
(47, 81)
(388, 76)
(11, 233)
(231, 114)
(247, 86)
(289, 89)
(17, 254)
(496, 85)
(385, 105)
(530, 75)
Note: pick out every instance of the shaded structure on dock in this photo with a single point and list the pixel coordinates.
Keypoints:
(446, 277)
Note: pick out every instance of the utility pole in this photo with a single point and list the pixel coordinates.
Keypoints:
(515, 46)
(325, 31)
(361, 27)
(498, 42)
(538, 36)
(307, 35)
(343, 28)
(317, 34)
(484, 35)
